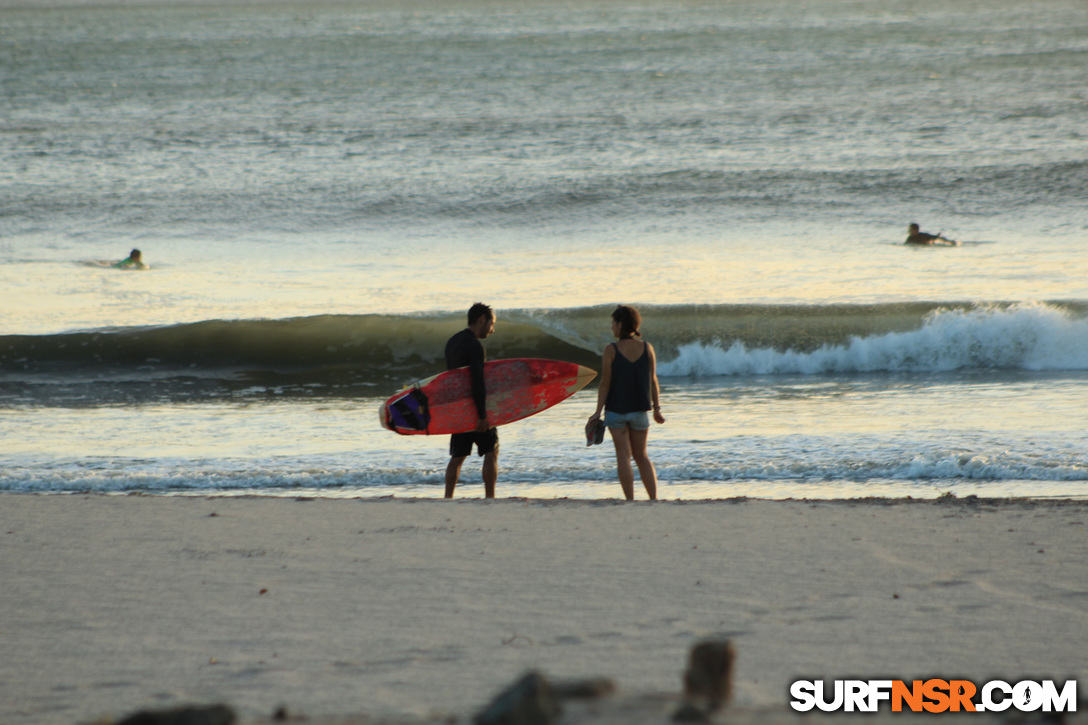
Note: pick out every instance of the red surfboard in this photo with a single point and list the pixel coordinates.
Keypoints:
(516, 389)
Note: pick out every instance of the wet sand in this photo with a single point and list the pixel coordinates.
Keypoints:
(390, 610)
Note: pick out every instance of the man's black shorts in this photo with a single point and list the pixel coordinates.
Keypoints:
(461, 443)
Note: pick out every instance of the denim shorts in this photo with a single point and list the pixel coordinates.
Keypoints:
(639, 420)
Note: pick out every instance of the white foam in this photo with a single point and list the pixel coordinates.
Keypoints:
(1026, 336)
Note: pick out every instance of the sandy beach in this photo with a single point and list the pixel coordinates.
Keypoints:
(387, 609)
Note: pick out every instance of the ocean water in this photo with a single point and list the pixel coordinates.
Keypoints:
(321, 190)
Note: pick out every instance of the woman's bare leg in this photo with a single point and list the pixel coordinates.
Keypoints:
(621, 439)
(646, 470)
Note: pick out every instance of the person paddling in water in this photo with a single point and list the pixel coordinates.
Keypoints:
(628, 391)
(134, 261)
(915, 236)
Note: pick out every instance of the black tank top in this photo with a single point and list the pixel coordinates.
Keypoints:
(629, 391)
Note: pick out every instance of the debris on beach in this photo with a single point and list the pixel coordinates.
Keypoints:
(529, 701)
(187, 715)
(708, 681)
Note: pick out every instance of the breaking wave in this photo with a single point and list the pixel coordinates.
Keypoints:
(360, 355)
(989, 337)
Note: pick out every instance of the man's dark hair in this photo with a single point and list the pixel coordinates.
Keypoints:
(477, 311)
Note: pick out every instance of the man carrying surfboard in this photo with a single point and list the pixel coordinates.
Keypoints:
(465, 349)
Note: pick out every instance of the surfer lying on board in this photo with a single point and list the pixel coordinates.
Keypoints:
(628, 390)
(463, 349)
(134, 261)
(914, 236)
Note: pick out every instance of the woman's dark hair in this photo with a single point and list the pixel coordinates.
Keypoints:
(629, 320)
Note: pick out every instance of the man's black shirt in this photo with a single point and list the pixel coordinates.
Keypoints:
(465, 349)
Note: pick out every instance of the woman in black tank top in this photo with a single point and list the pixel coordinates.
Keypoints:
(628, 390)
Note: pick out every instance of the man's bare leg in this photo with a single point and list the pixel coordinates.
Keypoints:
(453, 472)
(490, 473)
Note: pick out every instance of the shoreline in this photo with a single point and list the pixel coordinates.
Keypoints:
(418, 610)
(315, 495)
